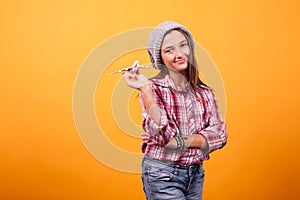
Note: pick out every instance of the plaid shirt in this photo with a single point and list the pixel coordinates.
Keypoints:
(182, 112)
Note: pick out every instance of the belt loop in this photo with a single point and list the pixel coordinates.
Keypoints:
(175, 170)
(200, 167)
(190, 170)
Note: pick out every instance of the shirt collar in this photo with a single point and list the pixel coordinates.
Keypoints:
(167, 81)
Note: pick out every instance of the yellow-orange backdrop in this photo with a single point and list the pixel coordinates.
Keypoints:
(255, 45)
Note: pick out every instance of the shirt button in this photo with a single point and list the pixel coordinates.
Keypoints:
(191, 120)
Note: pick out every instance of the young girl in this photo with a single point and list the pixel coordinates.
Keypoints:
(181, 118)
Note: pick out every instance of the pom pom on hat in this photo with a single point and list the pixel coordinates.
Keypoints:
(156, 37)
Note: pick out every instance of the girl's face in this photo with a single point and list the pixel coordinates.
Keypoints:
(175, 51)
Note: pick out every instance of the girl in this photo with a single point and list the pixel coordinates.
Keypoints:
(181, 118)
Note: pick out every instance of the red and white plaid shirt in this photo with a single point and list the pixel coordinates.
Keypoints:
(182, 112)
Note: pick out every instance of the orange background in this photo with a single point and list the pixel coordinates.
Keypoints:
(255, 45)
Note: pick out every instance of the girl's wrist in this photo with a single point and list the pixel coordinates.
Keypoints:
(145, 87)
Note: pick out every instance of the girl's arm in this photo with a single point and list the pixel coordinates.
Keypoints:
(150, 106)
(191, 141)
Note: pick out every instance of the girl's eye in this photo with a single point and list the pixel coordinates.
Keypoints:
(184, 44)
(168, 50)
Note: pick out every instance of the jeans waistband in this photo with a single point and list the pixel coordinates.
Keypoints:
(170, 164)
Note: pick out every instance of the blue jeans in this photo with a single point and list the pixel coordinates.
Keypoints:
(165, 181)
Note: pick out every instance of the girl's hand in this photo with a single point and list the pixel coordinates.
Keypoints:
(135, 80)
(146, 136)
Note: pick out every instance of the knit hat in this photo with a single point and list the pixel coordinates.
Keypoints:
(156, 37)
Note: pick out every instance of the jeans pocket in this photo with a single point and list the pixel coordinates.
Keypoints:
(157, 172)
(160, 175)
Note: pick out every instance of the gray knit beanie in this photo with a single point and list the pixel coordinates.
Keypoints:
(156, 38)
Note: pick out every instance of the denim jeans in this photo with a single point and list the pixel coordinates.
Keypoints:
(165, 181)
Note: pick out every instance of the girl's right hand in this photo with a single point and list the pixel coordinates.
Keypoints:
(135, 80)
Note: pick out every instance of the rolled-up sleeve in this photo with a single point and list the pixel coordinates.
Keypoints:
(161, 133)
(215, 131)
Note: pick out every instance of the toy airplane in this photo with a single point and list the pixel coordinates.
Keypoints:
(134, 68)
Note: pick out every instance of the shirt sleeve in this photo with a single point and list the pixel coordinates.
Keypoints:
(215, 130)
(161, 133)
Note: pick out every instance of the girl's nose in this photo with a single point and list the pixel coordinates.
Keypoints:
(178, 53)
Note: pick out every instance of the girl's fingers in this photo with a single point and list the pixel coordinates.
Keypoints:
(145, 136)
